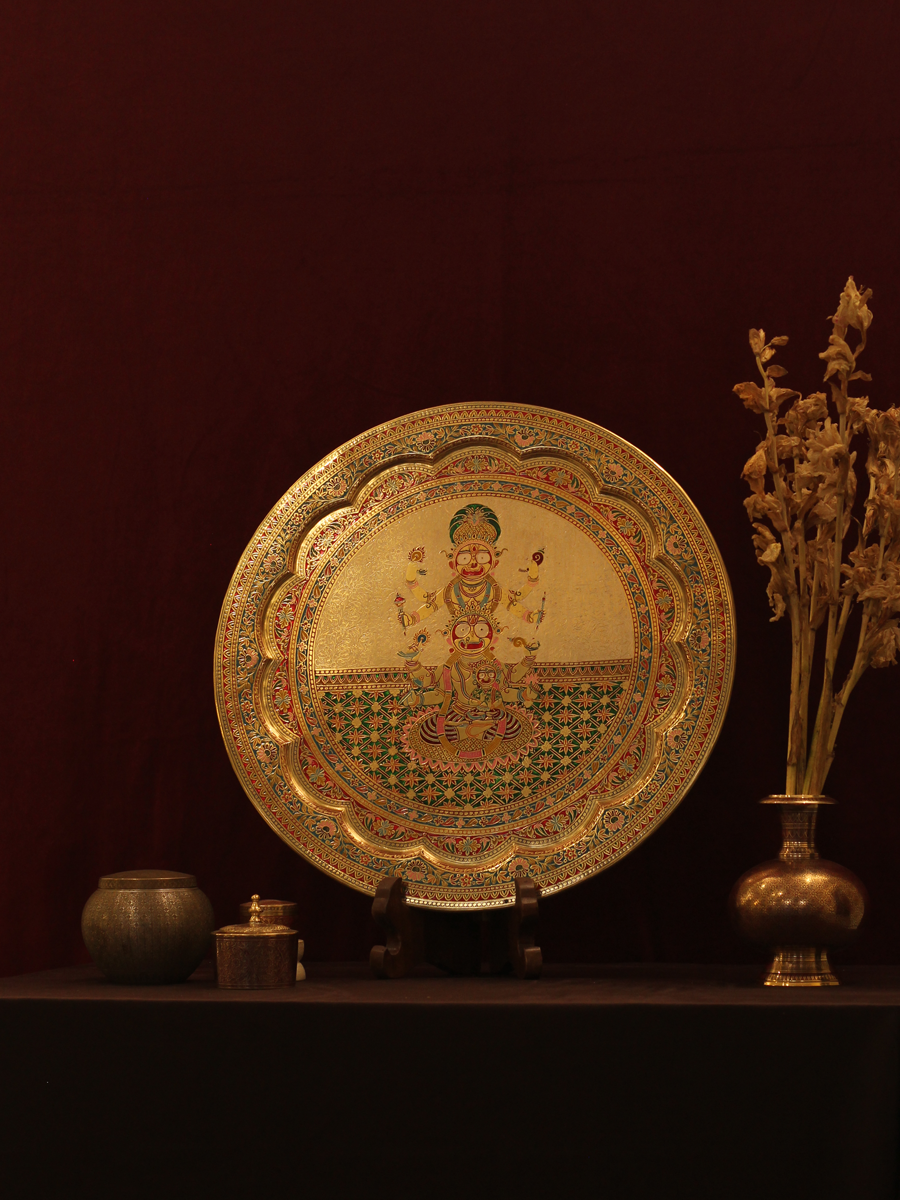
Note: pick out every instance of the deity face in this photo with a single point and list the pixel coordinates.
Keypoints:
(474, 560)
(471, 636)
(486, 676)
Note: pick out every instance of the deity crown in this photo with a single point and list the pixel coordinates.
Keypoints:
(474, 523)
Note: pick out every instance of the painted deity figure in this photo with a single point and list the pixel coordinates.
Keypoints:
(473, 695)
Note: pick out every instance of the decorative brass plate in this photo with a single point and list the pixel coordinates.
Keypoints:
(474, 642)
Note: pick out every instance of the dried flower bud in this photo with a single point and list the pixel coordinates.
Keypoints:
(885, 646)
(755, 469)
(804, 413)
(861, 575)
(884, 432)
(778, 396)
(838, 356)
(787, 446)
(826, 510)
(857, 409)
(752, 395)
(852, 311)
(768, 554)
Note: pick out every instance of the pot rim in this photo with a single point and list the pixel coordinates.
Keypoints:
(146, 880)
(799, 801)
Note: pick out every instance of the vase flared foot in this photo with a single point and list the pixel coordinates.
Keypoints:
(800, 966)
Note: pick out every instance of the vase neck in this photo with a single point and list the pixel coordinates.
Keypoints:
(798, 833)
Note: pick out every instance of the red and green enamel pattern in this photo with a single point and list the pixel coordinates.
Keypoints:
(475, 642)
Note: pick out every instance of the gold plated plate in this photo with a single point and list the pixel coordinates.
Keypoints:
(475, 642)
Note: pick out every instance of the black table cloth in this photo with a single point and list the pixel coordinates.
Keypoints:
(619, 1082)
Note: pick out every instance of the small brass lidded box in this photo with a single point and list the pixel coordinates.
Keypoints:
(256, 954)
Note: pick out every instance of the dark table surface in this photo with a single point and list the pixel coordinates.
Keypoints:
(352, 983)
(620, 1082)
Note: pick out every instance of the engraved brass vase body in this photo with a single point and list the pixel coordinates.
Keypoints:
(147, 926)
(799, 905)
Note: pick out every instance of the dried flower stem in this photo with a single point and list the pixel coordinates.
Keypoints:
(802, 521)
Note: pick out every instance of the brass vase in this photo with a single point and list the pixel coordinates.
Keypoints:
(147, 926)
(799, 905)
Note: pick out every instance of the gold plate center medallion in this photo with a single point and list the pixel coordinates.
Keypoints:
(473, 643)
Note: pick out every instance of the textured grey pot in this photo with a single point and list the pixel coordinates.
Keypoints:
(147, 926)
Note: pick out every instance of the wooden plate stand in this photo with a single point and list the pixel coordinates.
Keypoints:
(468, 943)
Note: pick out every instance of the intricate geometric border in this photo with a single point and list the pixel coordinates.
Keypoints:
(683, 547)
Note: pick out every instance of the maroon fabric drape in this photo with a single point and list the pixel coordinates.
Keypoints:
(234, 236)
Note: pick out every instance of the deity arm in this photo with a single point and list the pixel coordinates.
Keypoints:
(522, 668)
(433, 601)
(430, 601)
(412, 578)
(427, 688)
(534, 569)
(420, 673)
(519, 685)
(519, 610)
(513, 597)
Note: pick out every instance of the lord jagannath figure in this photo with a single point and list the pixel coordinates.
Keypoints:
(474, 697)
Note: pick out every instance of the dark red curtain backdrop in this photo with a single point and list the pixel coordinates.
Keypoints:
(235, 235)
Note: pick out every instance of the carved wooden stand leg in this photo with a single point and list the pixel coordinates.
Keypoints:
(526, 957)
(403, 928)
(461, 943)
